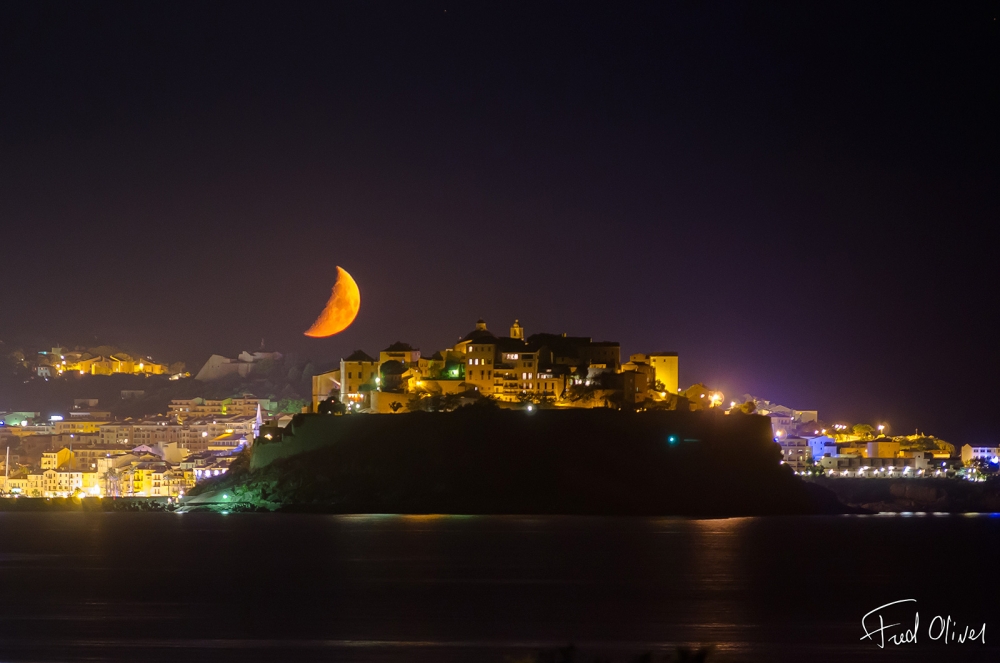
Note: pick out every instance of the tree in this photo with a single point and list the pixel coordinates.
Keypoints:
(112, 485)
(105, 351)
(545, 400)
(582, 392)
(291, 405)
(262, 367)
(484, 403)
(395, 406)
(177, 367)
(616, 399)
(450, 401)
(331, 405)
(863, 430)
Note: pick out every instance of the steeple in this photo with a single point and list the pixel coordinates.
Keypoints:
(517, 331)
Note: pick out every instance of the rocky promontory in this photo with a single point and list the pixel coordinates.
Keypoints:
(480, 460)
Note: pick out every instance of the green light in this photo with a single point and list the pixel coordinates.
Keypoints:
(672, 439)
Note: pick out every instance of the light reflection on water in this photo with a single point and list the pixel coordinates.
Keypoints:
(457, 588)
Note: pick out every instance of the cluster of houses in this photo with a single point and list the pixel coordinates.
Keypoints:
(806, 448)
(60, 361)
(88, 453)
(512, 368)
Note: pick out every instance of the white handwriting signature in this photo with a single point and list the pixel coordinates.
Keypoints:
(940, 628)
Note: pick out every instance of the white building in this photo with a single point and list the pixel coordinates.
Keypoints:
(970, 453)
(822, 445)
(218, 366)
(795, 452)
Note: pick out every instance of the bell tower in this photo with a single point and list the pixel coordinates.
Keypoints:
(517, 331)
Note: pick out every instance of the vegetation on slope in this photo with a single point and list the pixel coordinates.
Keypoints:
(486, 461)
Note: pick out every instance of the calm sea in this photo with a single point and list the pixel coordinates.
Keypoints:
(269, 587)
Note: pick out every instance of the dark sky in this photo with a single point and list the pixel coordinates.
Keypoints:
(800, 198)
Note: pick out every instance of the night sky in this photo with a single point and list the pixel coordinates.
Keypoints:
(801, 199)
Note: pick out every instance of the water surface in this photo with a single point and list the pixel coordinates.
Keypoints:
(271, 587)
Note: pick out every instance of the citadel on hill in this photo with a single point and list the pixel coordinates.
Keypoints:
(555, 369)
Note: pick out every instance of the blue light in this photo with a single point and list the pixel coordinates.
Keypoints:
(672, 439)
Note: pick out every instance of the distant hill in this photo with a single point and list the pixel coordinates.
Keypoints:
(57, 395)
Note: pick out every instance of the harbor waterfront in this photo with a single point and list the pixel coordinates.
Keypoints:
(261, 587)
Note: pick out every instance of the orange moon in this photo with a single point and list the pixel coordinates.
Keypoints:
(341, 310)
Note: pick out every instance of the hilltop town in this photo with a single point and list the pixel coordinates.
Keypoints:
(540, 369)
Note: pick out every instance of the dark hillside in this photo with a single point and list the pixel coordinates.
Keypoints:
(480, 460)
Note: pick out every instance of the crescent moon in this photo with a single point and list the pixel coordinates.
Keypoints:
(341, 310)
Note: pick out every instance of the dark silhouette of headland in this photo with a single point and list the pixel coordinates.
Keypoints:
(482, 460)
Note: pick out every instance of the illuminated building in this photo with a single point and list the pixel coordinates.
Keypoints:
(205, 466)
(80, 425)
(53, 460)
(356, 371)
(324, 384)
(822, 445)
(229, 442)
(218, 367)
(88, 457)
(780, 424)
(401, 352)
(111, 365)
(116, 433)
(197, 434)
(156, 432)
(980, 452)
(635, 386)
(27, 430)
(664, 365)
(195, 408)
(64, 483)
(796, 452)
(513, 369)
(883, 449)
(11, 419)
